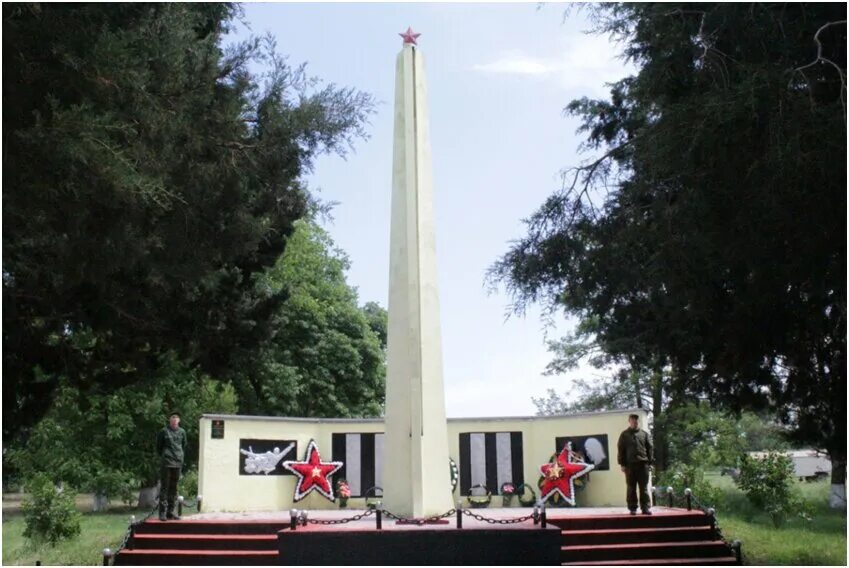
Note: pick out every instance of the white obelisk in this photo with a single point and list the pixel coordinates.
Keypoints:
(416, 474)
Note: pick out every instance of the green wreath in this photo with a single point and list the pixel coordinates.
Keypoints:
(529, 502)
(372, 498)
(478, 501)
(455, 474)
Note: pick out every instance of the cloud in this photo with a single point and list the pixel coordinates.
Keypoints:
(582, 63)
(516, 65)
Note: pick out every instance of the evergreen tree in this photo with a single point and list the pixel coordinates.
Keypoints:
(104, 442)
(326, 358)
(708, 240)
(149, 176)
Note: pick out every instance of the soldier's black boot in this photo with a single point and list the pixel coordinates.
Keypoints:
(172, 516)
(162, 516)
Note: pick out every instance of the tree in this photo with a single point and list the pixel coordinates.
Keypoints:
(762, 432)
(707, 241)
(378, 321)
(327, 357)
(104, 442)
(693, 433)
(593, 396)
(149, 176)
(631, 384)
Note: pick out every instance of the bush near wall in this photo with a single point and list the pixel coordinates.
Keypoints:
(50, 514)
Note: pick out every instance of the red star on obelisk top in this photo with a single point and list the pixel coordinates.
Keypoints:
(559, 477)
(312, 473)
(409, 36)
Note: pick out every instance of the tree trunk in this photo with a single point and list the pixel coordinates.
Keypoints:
(638, 390)
(101, 502)
(837, 495)
(660, 444)
(147, 497)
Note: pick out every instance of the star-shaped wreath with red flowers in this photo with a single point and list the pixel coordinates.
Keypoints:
(313, 473)
(559, 475)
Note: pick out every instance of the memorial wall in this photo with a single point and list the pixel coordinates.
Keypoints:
(241, 457)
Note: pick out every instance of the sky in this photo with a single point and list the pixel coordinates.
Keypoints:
(499, 76)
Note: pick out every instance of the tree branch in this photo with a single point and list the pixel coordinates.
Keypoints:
(821, 59)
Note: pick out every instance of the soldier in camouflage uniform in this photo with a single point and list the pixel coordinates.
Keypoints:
(171, 447)
(636, 456)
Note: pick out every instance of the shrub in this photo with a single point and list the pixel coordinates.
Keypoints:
(768, 483)
(50, 514)
(682, 476)
(188, 486)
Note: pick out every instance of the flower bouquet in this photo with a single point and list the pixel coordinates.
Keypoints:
(508, 490)
(344, 493)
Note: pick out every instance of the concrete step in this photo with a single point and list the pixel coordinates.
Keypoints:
(681, 518)
(205, 541)
(164, 557)
(638, 535)
(188, 526)
(640, 551)
(713, 561)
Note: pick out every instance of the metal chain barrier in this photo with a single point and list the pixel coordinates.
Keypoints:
(468, 513)
(714, 520)
(419, 521)
(131, 529)
(341, 521)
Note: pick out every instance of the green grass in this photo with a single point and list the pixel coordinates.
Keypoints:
(99, 531)
(820, 541)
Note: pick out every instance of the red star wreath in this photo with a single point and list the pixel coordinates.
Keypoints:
(313, 473)
(559, 475)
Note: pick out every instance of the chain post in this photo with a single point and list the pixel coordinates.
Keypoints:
(131, 539)
(107, 556)
(669, 494)
(712, 518)
(293, 519)
(459, 510)
(688, 493)
(536, 514)
(542, 517)
(737, 547)
(200, 500)
(379, 516)
(180, 505)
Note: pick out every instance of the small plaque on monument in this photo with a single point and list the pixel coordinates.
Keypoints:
(217, 429)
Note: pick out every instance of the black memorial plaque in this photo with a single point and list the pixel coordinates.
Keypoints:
(592, 449)
(258, 457)
(217, 429)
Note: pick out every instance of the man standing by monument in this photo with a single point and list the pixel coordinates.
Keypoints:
(636, 456)
(171, 447)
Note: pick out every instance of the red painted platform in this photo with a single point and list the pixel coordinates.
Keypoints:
(589, 537)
